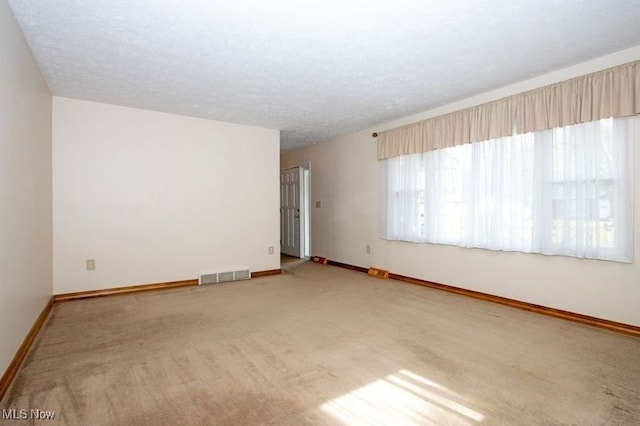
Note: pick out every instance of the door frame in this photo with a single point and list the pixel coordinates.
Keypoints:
(305, 215)
(305, 209)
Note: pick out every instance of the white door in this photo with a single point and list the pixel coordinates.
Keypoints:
(290, 202)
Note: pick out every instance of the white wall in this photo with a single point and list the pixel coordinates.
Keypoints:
(345, 177)
(25, 189)
(155, 197)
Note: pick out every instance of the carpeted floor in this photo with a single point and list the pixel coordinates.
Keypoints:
(322, 345)
(290, 261)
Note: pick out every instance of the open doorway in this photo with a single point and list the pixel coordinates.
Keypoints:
(295, 185)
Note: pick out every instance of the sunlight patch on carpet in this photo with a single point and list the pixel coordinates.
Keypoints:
(402, 398)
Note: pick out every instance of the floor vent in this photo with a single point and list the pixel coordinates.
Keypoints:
(208, 278)
(378, 273)
(224, 276)
(320, 259)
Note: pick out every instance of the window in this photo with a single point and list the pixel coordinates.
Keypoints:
(564, 191)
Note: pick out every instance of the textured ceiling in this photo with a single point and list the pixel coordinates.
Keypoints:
(313, 69)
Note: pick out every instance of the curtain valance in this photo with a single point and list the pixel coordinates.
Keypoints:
(614, 92)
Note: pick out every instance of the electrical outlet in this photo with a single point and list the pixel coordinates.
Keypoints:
(318, 204)
(91, 264)
(270, 249)
(368, 249)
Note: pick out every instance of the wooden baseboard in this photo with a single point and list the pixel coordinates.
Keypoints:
(531, 307)
(65, 297)
(347, 266)
(268, 272)
(16, 362)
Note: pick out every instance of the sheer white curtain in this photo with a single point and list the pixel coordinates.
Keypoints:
(563, 191)
(584, 175)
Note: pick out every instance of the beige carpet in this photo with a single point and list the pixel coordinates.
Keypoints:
(289, 261)
(323, 345)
